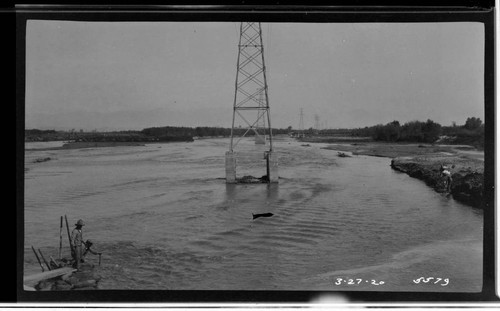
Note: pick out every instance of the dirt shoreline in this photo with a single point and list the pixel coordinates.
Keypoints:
(468, 178)
(423, 161)
(81, 145)
(97, 144)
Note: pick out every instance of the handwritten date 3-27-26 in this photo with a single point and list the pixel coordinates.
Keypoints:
(347, 281)
(432, 280)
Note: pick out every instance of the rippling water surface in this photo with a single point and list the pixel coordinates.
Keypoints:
(164, 218)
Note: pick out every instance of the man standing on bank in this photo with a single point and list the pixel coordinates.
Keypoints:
(77, 240)
(446, 172)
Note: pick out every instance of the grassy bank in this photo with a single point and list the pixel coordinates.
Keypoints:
(78, 145)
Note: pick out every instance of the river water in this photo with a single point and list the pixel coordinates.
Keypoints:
(164, 218)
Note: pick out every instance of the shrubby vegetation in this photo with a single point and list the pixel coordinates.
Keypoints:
(472, 132)
(203, 131)
(152, 134)
(414, 131)
(39, 132)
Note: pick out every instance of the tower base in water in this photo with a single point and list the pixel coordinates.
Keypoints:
(272, 167)
(230, 167)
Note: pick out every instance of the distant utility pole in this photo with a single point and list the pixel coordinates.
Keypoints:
(250, 95)
(301, 123)
(316, 122)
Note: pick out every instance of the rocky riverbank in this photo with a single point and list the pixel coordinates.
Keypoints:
(87, 278)
(467, 175)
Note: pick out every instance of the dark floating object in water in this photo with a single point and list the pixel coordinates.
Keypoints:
(39, 160)
(343, 155)
(262, 215)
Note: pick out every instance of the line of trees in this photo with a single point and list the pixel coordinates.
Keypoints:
(414, 131)
(165, 133)
(201, 131)
(472, 132)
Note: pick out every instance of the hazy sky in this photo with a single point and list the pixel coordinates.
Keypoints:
(124, 75)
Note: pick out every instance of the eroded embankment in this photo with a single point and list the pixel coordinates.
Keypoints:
(86, 278)
(467, 175)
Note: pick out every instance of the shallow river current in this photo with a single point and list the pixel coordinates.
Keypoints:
(164, 218)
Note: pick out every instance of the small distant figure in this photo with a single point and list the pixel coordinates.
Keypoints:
(77, 241)
(446, 173)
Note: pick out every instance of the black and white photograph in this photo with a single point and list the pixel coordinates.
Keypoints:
(254, 155)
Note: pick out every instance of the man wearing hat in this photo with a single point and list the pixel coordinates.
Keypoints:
(77, 240)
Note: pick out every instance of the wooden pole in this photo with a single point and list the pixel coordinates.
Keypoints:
(37, 258)
(43, 258)
(60, 238)
(69, 236)
(53, 261)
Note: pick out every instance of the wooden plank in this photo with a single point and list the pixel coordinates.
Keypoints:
(32, 280)
(37, 258)
(69, 238)
(44, 260)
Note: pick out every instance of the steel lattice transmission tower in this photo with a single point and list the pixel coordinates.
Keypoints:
(251, 96)
(261, 120)
(250, 83)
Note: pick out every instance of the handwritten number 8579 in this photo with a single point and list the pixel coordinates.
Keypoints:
(432, 280)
